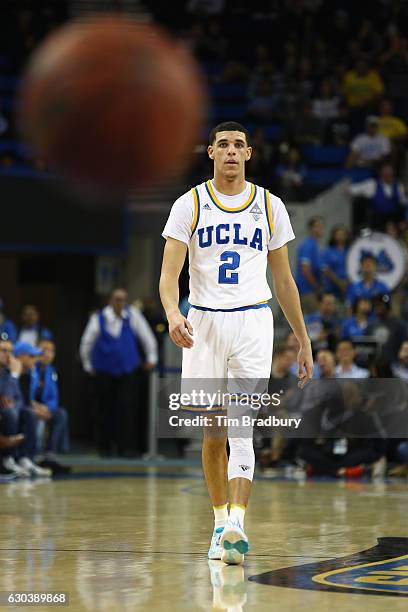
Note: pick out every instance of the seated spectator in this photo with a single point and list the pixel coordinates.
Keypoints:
(292, 344)
(356, 325)
(401, 471)
(8, 330)
(400, 367)
(369, 148)
(44, 393)
(264, 103)
(308, 274)
(305, 128)
(362, 86)
(32, 331)
(333, 262)
(343, 457)
(291, 175)
(389, 331)
(8, 442)
(325, 106)
(389, 125)
(33, 412)
(326, 364)
(283, 358)
(386, 195)
(16, 421)
(346, 368)
(323, 325)
(339, 130)
(369, 286)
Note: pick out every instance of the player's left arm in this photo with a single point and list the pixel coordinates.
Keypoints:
(288, 297)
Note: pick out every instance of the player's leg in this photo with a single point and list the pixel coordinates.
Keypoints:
(249, 369)
(204, 366)
(215, 466)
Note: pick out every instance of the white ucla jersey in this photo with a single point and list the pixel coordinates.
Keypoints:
(228, 239)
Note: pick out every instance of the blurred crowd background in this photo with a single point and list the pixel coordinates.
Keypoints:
(323, 88)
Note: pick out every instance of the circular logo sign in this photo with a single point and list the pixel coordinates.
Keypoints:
(389, 253)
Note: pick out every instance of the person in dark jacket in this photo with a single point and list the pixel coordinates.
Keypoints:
(44, 392)
(17, 416)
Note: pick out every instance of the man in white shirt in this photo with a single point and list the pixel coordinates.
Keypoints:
(110, 352)
(346, 367)
(369, 148)
(387, 196)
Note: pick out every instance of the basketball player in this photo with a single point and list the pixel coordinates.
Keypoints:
(231, 229)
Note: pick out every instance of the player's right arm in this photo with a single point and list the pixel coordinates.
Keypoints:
(180, 328)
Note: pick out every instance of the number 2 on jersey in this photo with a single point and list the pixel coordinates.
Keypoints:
(225, 276)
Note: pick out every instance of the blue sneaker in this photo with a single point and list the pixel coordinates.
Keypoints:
(234, 543)
(215, 550)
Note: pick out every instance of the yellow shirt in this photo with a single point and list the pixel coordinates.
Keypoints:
(391, 127)
(360, 90)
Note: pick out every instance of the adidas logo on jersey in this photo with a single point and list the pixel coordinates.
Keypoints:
(207, 207)
(256, 212)
(244, 468)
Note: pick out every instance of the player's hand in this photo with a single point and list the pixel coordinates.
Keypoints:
(181, 330)
(305, 363)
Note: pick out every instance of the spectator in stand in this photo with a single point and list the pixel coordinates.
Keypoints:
(263, 104)
(323, 325)
(400, 367)
(44, 392)
(305, 128)
(346, 368)
(291, 175)
(258, 167)
(326, 105)
(369, 40)
(16, 413)
(362, 86)
(339, 130)
(326, 364)
(389, 125)
(389, 331)
(401, 470)
(308, 274)
(292, 344)
(356, 325)
(369, 148)
(386, 195)
(282, 378)
(333, 262)
(32, 331)
(394, 66)
(8, 330)
(110, 353)
(369, 286)
(10, 406)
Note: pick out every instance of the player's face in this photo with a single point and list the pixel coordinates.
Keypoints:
(229, 152)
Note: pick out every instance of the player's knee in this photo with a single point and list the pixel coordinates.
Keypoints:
(241, 462)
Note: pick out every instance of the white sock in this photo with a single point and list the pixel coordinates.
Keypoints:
(237, 512)
(220, 515)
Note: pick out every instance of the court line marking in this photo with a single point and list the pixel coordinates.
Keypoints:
(154, 552)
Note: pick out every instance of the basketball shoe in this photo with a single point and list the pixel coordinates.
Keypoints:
(234, 543)
(215, 550)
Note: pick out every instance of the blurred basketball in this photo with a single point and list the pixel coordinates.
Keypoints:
(112, 102)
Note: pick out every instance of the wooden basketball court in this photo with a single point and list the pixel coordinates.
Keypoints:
(136, 538)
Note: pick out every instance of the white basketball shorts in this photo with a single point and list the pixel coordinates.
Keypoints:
(234, 347)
